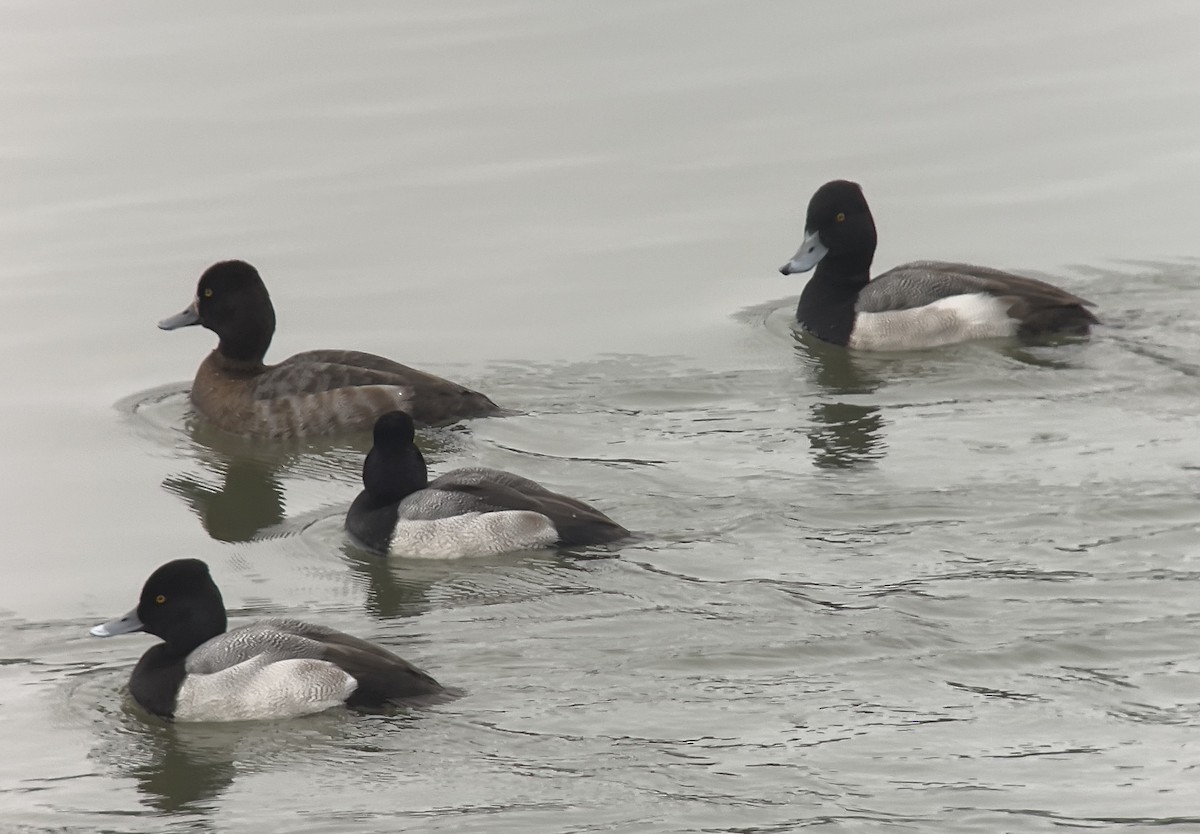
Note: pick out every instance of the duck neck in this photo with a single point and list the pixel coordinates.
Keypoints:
(392, 474)
(247, 348)
(236, 368)
(827, 302)
(156, 680)
(247, 331)
(185, 634)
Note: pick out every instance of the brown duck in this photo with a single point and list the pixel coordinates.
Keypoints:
(317, 392)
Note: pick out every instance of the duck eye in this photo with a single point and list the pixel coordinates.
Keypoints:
(160, 599)
(840, 216)
(208, 292)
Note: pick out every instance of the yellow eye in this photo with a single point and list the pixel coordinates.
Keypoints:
(208, 292)
(160, 599)
(841, 215)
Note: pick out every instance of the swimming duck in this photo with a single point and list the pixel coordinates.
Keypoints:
(466, 512)
(916, 305)
(273, 668)
(312, 393)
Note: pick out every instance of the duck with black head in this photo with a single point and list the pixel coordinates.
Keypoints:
(466, 512)
(317, 392)
(917, 305)
(273, 668)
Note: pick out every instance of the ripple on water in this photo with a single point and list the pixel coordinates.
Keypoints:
(874, 592)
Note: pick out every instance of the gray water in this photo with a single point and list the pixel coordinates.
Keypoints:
(942, 591)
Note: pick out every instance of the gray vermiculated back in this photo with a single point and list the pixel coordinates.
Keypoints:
(278, 638)
(441, 500)
(924, 282)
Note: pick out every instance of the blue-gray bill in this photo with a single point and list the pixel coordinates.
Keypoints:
(807, 256)
(126, 624)
(187, 318)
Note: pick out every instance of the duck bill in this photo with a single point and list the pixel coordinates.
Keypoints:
(122, 625)
(187, 318)
(807, 256)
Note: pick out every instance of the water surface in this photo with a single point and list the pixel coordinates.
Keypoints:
(944, 591)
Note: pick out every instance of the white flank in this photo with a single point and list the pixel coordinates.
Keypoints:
(262, 688)
(472, 534)
(959, 318)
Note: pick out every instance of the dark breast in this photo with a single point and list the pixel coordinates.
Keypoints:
(155, 681)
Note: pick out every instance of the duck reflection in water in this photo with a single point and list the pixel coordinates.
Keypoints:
(392, 589)
(248, 496)
(178, 771)
(176, 779)
(842, 434)
(240, 491)
(248, 500)
(240, 495)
